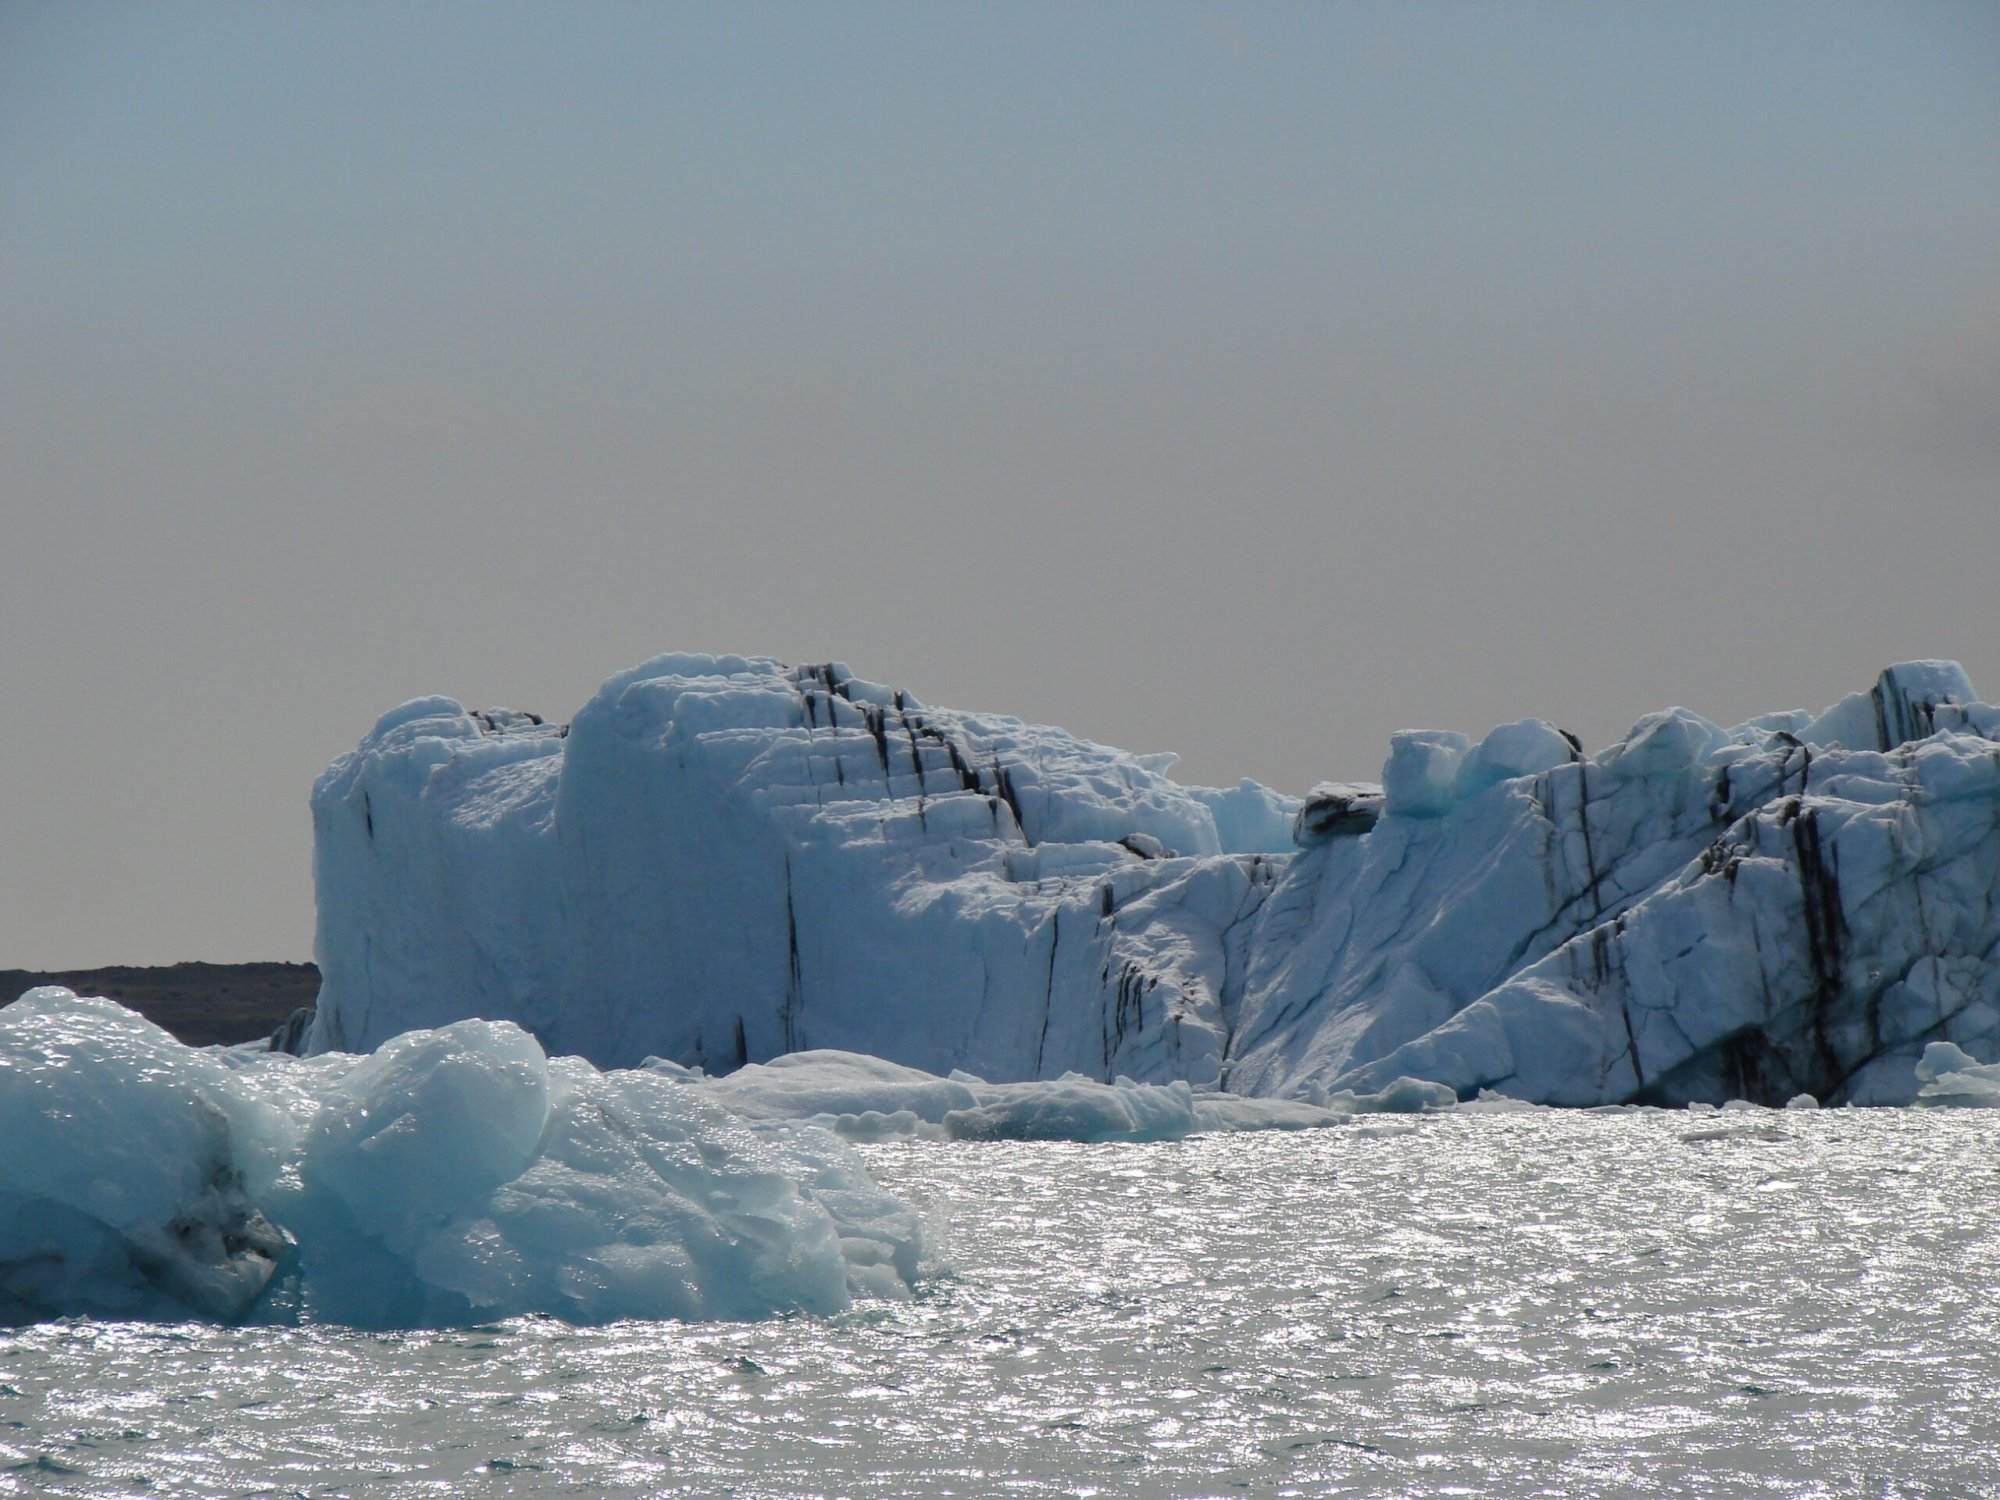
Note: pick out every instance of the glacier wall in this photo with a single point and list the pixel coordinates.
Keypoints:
(722, 860)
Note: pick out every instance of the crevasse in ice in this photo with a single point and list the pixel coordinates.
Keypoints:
(724, 860)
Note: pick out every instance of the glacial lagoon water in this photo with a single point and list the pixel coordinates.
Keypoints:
(1755, 1302)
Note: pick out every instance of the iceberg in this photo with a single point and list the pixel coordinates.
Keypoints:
(456, 1175)
(724, 861)
(720, 860)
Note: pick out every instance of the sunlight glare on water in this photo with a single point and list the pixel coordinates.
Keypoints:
(1745, 1303)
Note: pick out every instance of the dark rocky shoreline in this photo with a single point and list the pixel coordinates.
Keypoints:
(200, 1003)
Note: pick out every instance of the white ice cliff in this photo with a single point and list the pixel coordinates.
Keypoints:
(723, 860)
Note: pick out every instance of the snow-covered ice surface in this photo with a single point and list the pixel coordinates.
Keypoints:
(721, 860)
(1532, 1302)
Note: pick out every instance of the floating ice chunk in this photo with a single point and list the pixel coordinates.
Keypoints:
(1233, 1112)
(456, 1175)
(840, 1086)
(1403, 1096)
(1490, 1103)
(1074, 1108)
(866, 1098)
(1951, 1077)
(645, 1200)
(867, 869)
(1941, 1058)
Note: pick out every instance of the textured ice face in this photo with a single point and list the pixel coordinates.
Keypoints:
(724, 860)
(455, 1175)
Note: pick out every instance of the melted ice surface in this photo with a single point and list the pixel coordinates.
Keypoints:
(1661, 1303)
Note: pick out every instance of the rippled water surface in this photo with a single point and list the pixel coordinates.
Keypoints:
(1783, 1303)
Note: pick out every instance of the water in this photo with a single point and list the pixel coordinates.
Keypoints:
(1760, 1303)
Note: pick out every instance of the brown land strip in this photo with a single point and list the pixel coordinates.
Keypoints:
(199, 1003)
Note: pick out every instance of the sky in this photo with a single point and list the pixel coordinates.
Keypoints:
(1245, 381)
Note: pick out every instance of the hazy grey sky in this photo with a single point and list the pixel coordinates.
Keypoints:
(1244, 381)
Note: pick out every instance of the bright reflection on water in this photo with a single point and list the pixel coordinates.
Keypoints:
(1564, 1304)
